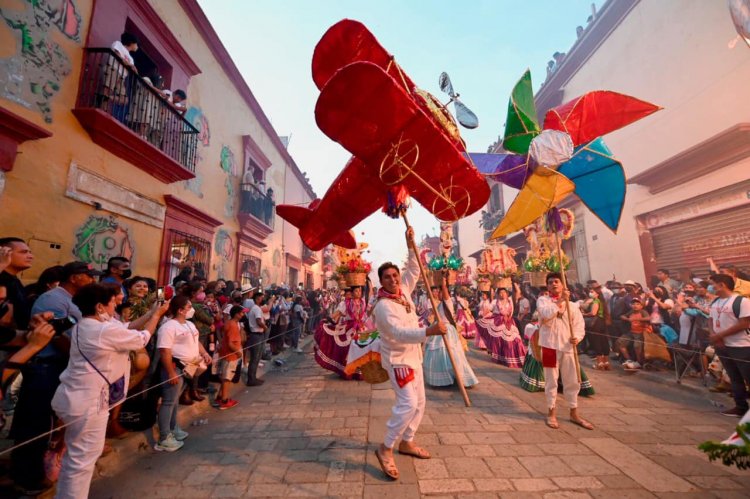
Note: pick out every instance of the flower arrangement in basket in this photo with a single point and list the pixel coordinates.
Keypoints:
(354, 271)
(440, 265)
(542, 257)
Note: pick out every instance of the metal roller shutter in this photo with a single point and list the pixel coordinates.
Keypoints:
(725, 236)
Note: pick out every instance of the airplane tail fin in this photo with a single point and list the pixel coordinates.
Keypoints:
(295, 215)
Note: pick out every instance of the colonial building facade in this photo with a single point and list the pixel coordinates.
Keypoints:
(95, 162)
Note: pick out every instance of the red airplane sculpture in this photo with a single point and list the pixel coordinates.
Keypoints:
(399, 135)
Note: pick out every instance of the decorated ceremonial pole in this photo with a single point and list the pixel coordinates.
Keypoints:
(423, 274)
(555, 225)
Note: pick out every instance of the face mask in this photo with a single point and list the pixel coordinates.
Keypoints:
(592, 295)
(190, 313)
(200, 297)
(711, 289)
(126, 274)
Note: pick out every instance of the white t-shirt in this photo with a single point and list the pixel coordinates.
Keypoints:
(723, 318)
(182, 339)
(253, 315)
(656, 317)
(122, 51)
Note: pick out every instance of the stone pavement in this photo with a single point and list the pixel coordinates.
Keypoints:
(307, 433)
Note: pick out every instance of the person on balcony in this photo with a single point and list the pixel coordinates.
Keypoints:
(117, 85)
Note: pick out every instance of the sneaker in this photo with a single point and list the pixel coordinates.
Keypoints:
(179, 434)
(216, 402)
(734, 412)
(635, 365)
(169, 444)
(228, 404)
(298, 350)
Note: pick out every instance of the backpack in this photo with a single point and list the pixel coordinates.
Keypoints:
(736, 305)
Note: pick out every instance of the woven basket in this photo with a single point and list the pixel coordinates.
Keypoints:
(355, 279)
(504, 282)
(538, 279)
(483, 285)
(437, 277)
(373, 373)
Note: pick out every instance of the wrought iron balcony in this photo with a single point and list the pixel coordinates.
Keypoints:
(127, 115)
(255, 202)
(309, 256)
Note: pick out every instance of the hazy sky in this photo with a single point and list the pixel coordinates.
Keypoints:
(484, 45)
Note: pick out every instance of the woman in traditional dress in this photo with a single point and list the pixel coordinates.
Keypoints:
(438, 370)
(464, 318)
(485, 317)
(506, 346)
(532, 374)
(332, 341)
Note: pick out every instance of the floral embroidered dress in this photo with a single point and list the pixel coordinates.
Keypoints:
(504, 343)
(464, 319)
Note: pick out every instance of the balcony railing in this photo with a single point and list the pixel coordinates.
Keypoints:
(308, 255)
(110, 86)
(255, 202)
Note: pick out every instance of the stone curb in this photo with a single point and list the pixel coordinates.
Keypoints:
(127, 450)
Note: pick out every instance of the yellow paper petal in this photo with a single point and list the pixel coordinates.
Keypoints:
(543, 190)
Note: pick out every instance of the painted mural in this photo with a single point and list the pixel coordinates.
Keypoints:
(227, 162)
(33, 75)
(196, 118)
(195, 185)
(100, 238)
(224, 249)
(231, 195)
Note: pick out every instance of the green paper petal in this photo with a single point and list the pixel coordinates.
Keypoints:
(522, 125)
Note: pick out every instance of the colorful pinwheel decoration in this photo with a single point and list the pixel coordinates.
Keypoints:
(566, 156)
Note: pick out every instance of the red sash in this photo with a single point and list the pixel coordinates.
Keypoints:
(549, 357)
(404, 375)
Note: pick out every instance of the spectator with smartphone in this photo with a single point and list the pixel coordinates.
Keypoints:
(41, 377)
(95, 379)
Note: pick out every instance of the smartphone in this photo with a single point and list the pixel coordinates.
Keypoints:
(160, 295)
(62, 324)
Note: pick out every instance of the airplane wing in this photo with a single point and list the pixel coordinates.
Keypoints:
(369, 113)
(350, 41)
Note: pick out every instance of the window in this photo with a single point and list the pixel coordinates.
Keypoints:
(309, 284)
(186, 249)
(249, 270)
(188, 233)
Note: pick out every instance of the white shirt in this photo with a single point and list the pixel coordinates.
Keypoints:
(723, 318)
(253, 315)
(554, 331)
(182, 339)
(399, 330)
(107, 346)
(122, 51)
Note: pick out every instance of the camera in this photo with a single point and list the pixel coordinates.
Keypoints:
(62, 324)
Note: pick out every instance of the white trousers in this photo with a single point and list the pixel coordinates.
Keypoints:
(566, 367)
(84, 439)
(408, 410)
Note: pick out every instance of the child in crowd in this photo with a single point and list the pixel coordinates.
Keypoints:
(230, 353)
(639, 321)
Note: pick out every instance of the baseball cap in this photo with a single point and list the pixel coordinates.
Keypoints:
(636, 299)
(74, 268)
(629, 283)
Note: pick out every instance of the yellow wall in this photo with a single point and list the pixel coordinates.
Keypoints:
(34, 204)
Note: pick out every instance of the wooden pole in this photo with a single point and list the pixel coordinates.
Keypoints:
(413, 247)
(567, 303)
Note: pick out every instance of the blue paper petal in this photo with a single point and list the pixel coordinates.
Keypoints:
(599, 180)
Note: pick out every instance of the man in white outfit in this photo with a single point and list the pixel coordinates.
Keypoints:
(401, 355)
(558, 344)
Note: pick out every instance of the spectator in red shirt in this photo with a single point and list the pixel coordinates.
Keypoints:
(230, 353)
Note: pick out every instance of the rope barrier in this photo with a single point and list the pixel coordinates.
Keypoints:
(152, 387)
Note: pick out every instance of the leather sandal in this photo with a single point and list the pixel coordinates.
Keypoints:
(388, 465)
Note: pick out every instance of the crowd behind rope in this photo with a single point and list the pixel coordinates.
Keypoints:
(90, 355)
(698, 326)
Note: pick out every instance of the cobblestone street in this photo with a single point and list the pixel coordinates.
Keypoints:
(307, 433)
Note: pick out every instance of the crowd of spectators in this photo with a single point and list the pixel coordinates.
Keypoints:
(77, 341)
(695, 326)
